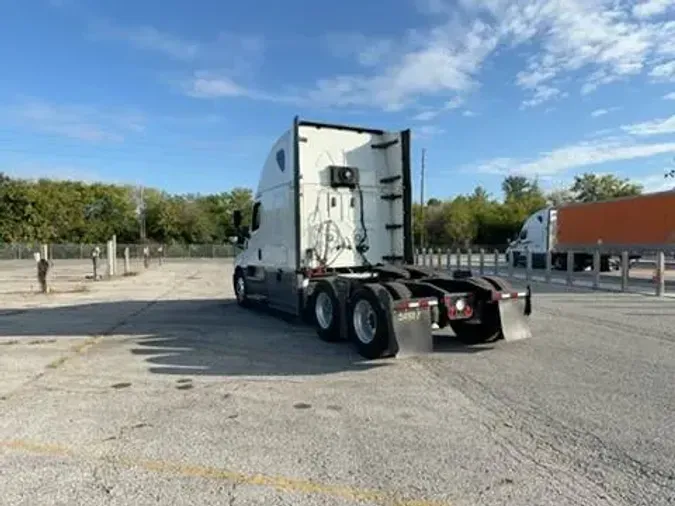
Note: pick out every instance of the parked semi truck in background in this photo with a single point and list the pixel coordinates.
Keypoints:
(331, 241)
(640, 224)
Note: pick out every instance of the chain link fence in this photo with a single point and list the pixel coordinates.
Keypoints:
(72, 265)
(74, 251)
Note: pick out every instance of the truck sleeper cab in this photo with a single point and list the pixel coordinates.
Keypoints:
(330, 240)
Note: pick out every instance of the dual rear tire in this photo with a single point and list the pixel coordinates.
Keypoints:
(366, 319)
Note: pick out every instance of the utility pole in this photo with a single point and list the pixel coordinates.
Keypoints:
(422, 227)
(141, 213)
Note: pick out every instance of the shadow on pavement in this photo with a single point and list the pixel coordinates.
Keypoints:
(201, 337)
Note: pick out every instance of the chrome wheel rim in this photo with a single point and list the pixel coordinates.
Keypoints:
(365, 321)
(323, 310)
(240, 288)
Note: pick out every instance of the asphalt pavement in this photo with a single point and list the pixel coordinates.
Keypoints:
(158, 389)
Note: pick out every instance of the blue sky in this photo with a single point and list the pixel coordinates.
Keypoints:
(189, 96)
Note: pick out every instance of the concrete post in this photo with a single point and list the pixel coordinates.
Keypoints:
(660, 273)
(44, 251)
(528, 264)
(570, 268)
(424, 257)
(42, 273)
(469, 258)
(439, 258)
(481, 261)
(127, 266)
(624, 271)
(549, 261)
(114, 249)
(596, 269)
(458, 260)
(448, 259)
(496, 266)
(111, 256)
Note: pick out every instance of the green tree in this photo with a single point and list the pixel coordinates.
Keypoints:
(559, 197)
(461, 225)
(590, 187)
(516, 187)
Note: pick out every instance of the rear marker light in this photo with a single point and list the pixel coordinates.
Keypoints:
(507, 295)
(422, 304)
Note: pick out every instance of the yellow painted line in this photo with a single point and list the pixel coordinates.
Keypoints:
(78, 349)
(282, 484)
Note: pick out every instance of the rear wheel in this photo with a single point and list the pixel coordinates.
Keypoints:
(367, 324)
(325, 314)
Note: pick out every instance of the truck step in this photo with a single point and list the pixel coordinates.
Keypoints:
(393, 258)
(384, 145)
(393, 226)
(392, 179)
(392, 196)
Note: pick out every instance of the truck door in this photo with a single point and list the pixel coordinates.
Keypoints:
(255, 272)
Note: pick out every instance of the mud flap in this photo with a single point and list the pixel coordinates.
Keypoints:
(411, 334)
(409, 324)
(514, 322)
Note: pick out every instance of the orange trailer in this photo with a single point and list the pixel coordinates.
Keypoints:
(640, 224)
(644, 222)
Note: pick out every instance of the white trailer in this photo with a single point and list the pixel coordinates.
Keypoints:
(331, 241)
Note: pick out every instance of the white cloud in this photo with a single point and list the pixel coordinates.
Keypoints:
(578, 35)
(603, 111)
(441, 61)
(598, 41)
(653, 127)
(669, 96)
(649, 8)
(208, 85)
(656, 182)
(426, 115)
(366, 50)
(76, 121)
(225, 61)
(146, 38)
(232, 54)
(664, 71)
(592, 42)
(574, 156)
(468, 114)
(427, 131)
(543, 94)
(430, 114)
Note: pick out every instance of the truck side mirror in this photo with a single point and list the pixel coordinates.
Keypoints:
(236, 218)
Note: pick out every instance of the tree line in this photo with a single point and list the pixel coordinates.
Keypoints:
(77, 212)
(481, 219)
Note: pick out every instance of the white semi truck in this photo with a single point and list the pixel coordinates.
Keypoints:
(331, 241)
(640, 224)
(538, 236)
